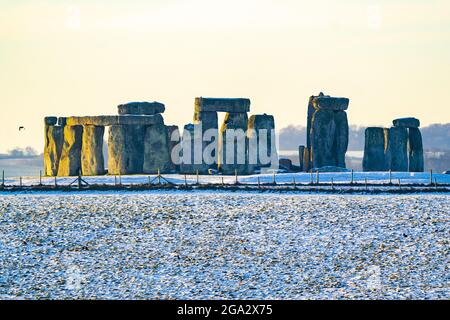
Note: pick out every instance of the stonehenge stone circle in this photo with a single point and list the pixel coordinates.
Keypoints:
(141, 108)
(376, 151)
(261, 125)
(416, 157)
(327, 132)
(92, 160)
(70, 162)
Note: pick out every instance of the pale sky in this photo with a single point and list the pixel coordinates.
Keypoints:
(390, 57)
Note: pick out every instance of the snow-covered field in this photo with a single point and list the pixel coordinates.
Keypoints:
(344, 177)
(204, 245)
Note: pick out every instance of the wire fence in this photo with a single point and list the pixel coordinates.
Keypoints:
(312, 181)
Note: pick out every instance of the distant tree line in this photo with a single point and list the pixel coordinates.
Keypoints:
(19, 153)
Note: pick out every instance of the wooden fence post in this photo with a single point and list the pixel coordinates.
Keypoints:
(235, 177)
(390, 176)
(352, 177)
(40, 177)
(431, 176)
(3, 178)
(197, 177)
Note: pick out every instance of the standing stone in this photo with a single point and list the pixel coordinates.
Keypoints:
(92, 160)
(261, 135)
(54, 139)
(126, 149)
(327, 132)
(376, 151)
(174, 139)
(416, 158)
(156, 150)
(398, 144)
(340, 119)
(301, 157)
(323, 133)
(209, 136)
(70, 163)
(233, 133)
(187, 142)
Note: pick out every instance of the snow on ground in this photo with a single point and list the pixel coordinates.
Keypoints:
(204, 245)
(345, 177)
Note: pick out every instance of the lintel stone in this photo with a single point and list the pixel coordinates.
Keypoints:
(232, 105)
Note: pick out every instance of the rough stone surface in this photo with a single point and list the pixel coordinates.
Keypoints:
(62, 121)
(327, 132)
(340, 119)
(398, 145)
(301, 157)
(323, 134)
(70, 163)
(261, 126)
(187, 164)
(416, 158)
(136, 120)
(126, 149)
(50, 121)
(174, 139)
(233, 131)
(156, 150)
(407, 122)
(331, 103)
(54, 139)
(285, 164)
(376, 151)
(92, 160)
(233, 105)
(143, 108)
(208, 122)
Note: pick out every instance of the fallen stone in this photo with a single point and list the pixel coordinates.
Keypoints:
(156, 150)
(416, 157)
(104, 121)
(330, 169)
(398, 145)
(54, 139)
(407, 122)
(285, 164)
(92, 160)
(232, 105)
(70, 163)
(142, 108)
(376, 152)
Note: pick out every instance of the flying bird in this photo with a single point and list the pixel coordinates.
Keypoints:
(21, 128)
